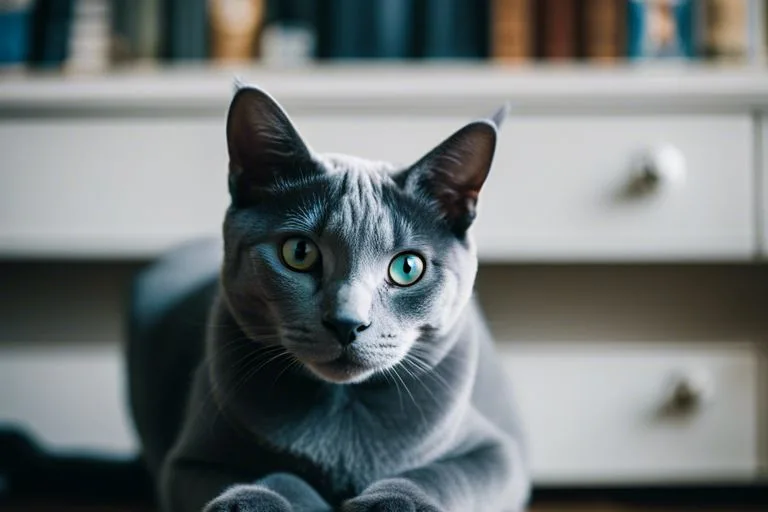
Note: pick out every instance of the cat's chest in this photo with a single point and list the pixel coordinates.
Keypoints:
(354, 443)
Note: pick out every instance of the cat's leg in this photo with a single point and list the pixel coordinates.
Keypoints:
(487, 478)
(195, 488)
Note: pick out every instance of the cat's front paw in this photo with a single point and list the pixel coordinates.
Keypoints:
(394, 495)
(249, 498)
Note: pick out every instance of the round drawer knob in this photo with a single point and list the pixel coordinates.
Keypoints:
(688, 392)
(662, 165)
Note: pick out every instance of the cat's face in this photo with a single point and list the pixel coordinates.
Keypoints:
(350, 265)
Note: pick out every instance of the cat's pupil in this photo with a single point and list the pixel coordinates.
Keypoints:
(300, 252)
(407, 265)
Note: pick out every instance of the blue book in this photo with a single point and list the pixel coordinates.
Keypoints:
(393, 28)
(346, 33)
(14, 34)
(186, 24)
(646, 43)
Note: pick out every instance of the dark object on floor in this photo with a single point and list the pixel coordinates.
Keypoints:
(27, 472)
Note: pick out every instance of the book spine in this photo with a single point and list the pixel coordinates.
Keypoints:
(345, 32)
(148, 33)
(756, 36)
(439, 29)
(393, 28)
(15, 22)
(660, 29)
(604, 36)
(726, 29)
(51, 25)
(186, 24)
(234, 26)
(290, 34)
(512, 30)
(557, 22)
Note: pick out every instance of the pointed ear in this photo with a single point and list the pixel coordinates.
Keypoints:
(263, 144)
(453, 173)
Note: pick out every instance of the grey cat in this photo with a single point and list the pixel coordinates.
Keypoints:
(346, 365)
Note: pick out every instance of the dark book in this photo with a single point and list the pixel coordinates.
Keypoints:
(512, 30)
(455, 29)
(604, 29)
(557, 29)
(136, 29)
(373, 29)
(660, 29)
(50, 36)
(186, 29)
(345, 29)
(393, 28)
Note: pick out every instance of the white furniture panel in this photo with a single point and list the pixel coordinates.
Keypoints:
(557, 191)
(70, 398)
(602, 413)
(560, 190)
(123, 187)
(763, 179)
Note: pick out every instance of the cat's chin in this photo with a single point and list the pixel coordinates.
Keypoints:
(340, 371)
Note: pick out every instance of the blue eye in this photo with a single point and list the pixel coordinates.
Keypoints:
(299, 253)
(406, 269)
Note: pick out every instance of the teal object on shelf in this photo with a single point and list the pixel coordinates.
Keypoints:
(645, 43)
(14, 35)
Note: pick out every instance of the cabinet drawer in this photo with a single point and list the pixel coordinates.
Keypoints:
(604, 414)
(557, 190)
(93, 187)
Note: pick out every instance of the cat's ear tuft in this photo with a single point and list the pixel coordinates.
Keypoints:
(262, 142)
(452, 174)
(500, 115)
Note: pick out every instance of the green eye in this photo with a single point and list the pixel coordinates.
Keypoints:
(406, 268)
(300, 253)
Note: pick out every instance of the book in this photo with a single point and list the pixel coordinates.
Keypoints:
(756, 19)
(289, 36)
(343, 25)
(234, 27)
(393, 28)
(512, 30)
(186, 29)
(604, 29)
(15, 22)
(557, 29)
(51, 24)
(659, 29)
(725, 29)
(90, 36)
(454, 29)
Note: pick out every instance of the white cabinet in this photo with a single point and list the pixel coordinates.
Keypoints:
(762, 214)
(606, 414)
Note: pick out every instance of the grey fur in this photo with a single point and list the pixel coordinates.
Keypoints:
(415, 414)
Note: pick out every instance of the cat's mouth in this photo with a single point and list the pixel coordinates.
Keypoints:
(345, 369)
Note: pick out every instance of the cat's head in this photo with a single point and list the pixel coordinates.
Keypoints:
(349, 264)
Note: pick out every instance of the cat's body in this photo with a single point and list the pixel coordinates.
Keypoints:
(324, 383)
